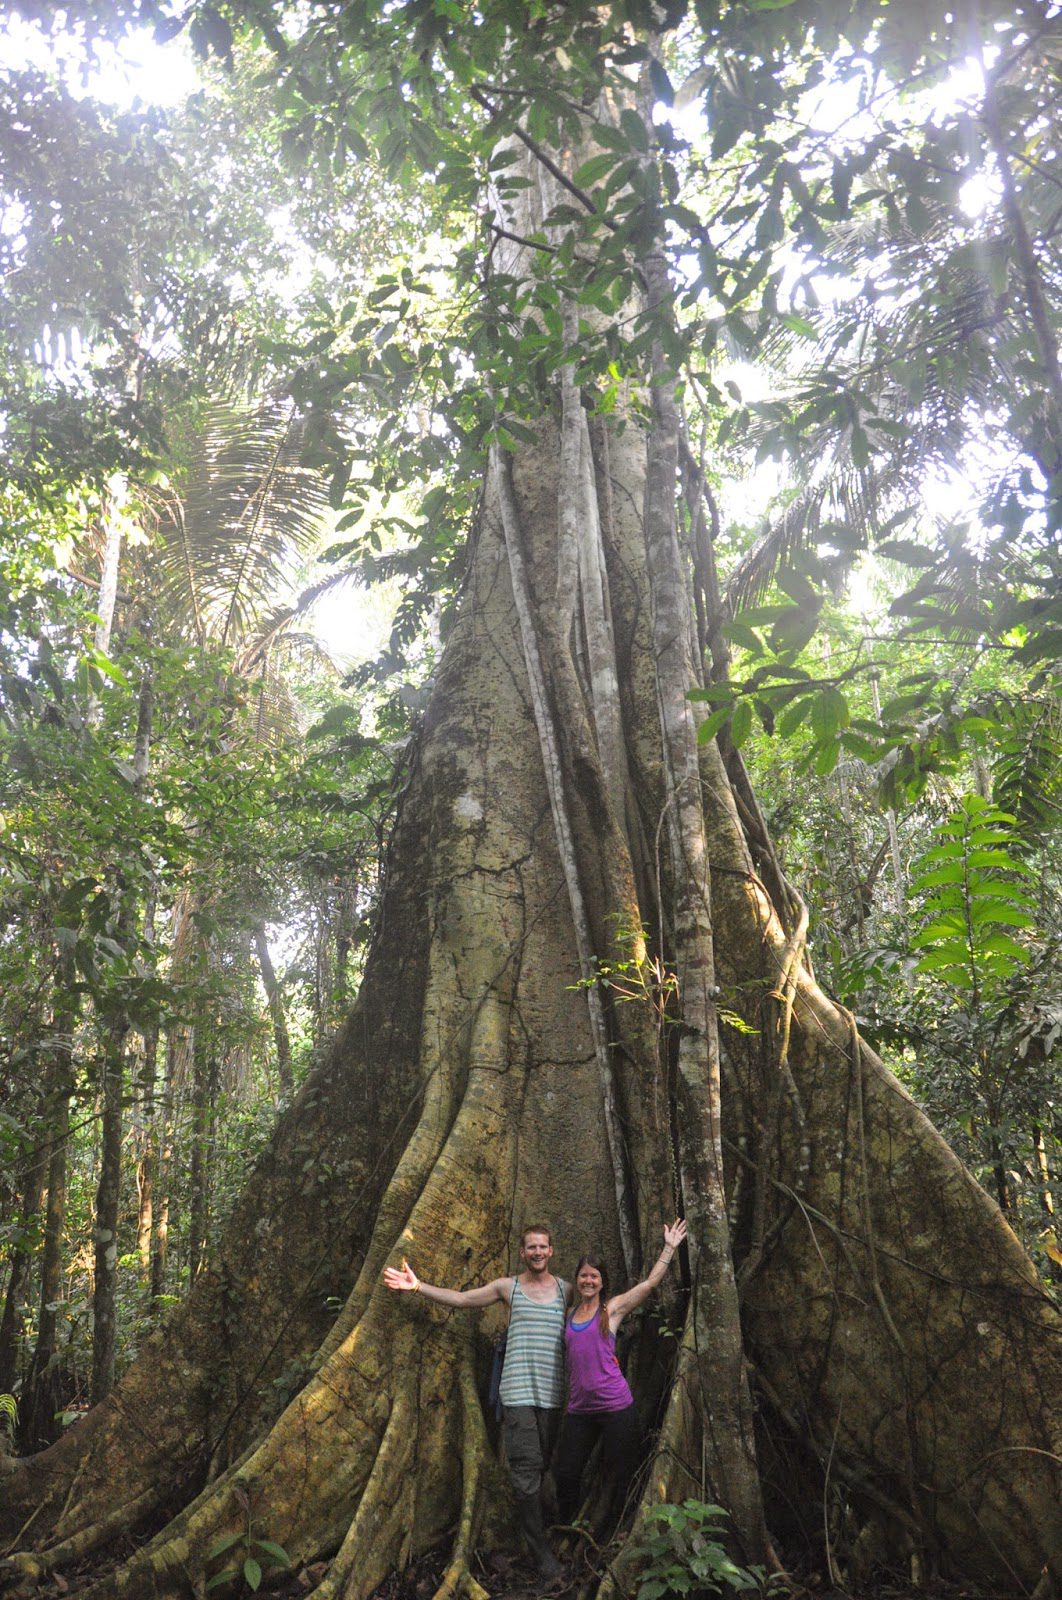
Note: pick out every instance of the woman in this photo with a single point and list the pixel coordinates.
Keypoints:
(600, 1404)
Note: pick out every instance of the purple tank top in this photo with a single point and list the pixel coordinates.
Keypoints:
(595, 1382)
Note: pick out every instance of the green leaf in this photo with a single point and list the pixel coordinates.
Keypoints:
(712, 691)
(900, 704)
(223, 1545)
(955, 873)
(222, 1577)
(829, 714)
(795, 629)
(755, 616)
(958, 976)
(252, 1573)
(862, 747)
(276, 1551)
(770, 228)
(793, 716)
(741, 635)
(635, 129)
(210, 33)
(741, 723)
(993, 913)
(595, 169)
(841, 186)
(827, 759)
(660, 83)
(991, 858)
(945, 956)
(907, 551)
(104, 664)
(727, 131)
(1003, 944)
(711, 725)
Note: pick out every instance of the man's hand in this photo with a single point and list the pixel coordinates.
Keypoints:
(403, 1277)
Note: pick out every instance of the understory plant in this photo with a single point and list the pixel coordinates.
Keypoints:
(682, 1553)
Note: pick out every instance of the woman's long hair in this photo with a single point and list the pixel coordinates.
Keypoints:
(598, 1266)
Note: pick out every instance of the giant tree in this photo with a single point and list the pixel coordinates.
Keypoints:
(854, 1307)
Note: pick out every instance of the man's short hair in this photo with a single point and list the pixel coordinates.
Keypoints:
(534, 1227)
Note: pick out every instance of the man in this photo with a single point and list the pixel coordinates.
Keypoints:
(532, 1382)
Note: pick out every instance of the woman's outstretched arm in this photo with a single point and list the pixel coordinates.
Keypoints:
(621, 1304)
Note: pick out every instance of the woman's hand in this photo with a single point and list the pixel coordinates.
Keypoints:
(621, 1304)
(674, 1235)
(402, 1277)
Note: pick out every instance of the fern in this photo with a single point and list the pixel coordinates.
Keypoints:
(974, 896)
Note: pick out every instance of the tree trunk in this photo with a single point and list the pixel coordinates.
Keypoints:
(165, 1135)
(21, 1263)
(147, 1161)
(41, 1390)
(160, 1237)
(108, 1199)
(1043, 1174)
(204, 1089)
(900, 1341)
(108, 1190)
(145, 1122)
(899, 877)
(276, 1010)
(711, 1356)
(114, 506)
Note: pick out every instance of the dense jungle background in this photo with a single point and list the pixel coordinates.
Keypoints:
(271, 295)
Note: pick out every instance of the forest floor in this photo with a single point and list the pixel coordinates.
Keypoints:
(510, 1577)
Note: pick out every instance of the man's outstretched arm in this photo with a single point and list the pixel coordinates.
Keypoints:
(404, 1280)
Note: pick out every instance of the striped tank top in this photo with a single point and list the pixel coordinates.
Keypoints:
(533, 1374)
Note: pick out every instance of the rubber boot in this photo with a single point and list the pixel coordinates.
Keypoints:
(533, 1528)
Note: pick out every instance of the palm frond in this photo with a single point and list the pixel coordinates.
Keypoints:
(309, 596)
(276, 636)
(274, 709)
(247, 509)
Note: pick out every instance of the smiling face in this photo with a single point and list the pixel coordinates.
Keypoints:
(588, 1282)
(536, 1252)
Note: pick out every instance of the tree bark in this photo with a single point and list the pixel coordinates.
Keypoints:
(711, 1359)
(113, 1070)
(145, 1121)
(108, 1199)
(41, 1389)
(18, 1279)
(165, 1138)
(276, 1010)
(147, 1160)
(204, 1091)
